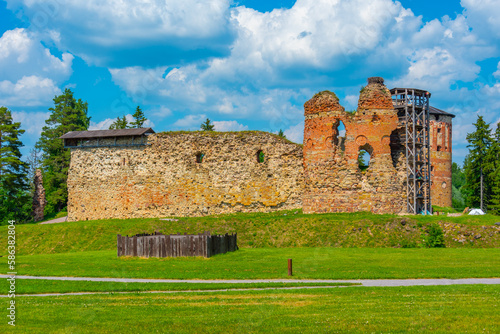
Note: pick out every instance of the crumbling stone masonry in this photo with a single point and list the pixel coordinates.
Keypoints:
(39, 200)
(333, 180)
(137, 173)
(186, 173)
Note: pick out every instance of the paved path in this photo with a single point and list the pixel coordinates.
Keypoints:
(57, 220)
(364, 282)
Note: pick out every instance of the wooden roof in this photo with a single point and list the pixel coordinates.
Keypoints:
(436, 111)
(107, 133)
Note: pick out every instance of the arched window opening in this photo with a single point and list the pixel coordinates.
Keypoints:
(199, 157)
(364, 157)
(339, 134)
(260, 156)
(396, 141)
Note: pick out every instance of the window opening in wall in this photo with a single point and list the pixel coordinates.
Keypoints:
(199, 157)
(439, 148)
(339, 134)
(363, 159)
(260, 156)
(397, 147)
(439, 130)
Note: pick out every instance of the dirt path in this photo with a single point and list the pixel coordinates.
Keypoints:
(54, 221)
(364, 282)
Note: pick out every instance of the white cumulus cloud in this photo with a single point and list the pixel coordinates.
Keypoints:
(229, 126)
(30, 75)
(116, 32)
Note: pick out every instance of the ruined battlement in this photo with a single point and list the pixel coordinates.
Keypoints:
(138, 173)
(334, 181)
(186, 173)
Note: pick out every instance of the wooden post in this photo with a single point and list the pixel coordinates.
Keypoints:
(289, 267)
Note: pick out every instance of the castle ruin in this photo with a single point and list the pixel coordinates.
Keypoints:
(138, 173)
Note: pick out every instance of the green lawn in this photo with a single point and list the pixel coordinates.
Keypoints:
(327, 263)
(35, 286)
(278, 229)
(444, 309)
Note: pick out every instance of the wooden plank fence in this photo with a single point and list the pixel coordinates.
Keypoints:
(175, 245)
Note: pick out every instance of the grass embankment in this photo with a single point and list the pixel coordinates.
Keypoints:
(265, 263)
(255, 230)
(443, 309)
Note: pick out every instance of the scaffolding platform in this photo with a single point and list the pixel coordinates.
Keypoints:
(412, 106)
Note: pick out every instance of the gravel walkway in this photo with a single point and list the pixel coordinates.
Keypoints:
(364, 282)
(57, 220)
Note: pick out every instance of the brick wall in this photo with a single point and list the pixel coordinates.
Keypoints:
(333, 180)
(441, 159)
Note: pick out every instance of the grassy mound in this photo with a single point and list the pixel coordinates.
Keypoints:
(278, 229)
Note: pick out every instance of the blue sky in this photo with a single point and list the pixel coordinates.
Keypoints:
(247, 65)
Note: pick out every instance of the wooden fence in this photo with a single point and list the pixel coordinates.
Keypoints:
(175, 245)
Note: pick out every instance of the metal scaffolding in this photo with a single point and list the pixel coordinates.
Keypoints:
(412, 106)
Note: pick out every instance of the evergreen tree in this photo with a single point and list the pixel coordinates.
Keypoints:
(457, 175)
(457, 181)
(139, 118)
(493, 167)
(207, 125)
(119, 123)
(476, 187)
(67, 115)
(281, 134)
(14, 196)
(34, 162)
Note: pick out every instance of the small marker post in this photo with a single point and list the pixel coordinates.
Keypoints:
(289, 267)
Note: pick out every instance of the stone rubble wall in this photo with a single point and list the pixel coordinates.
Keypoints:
(39, 200)
(441, 160)
(333, 180)
(165, 179)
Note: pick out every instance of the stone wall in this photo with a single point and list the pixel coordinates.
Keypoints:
(165, 179)
(39, 200)
(441, 159)
(333, 180)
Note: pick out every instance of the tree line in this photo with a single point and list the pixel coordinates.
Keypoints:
(477, 184)
(49, 154)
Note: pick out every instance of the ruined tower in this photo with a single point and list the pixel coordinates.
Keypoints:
(39, 200)
(334, 181)
(440, 140)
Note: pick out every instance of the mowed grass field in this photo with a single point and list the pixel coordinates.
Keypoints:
(330, 246)
(267, 263)
(444, 309)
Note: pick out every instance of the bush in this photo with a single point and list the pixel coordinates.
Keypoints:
(434, 237)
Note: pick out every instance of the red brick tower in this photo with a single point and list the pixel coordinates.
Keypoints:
(440, 140)
(334, 181)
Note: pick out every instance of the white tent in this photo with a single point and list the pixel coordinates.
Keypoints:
(476, 212)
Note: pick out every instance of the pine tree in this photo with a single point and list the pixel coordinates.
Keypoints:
(493, 168)
(281, 134)
(14, 195)
(476, 186)
(67, 115)
(119, 123)
(207, 125)
(139, 118)
(457, 181)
